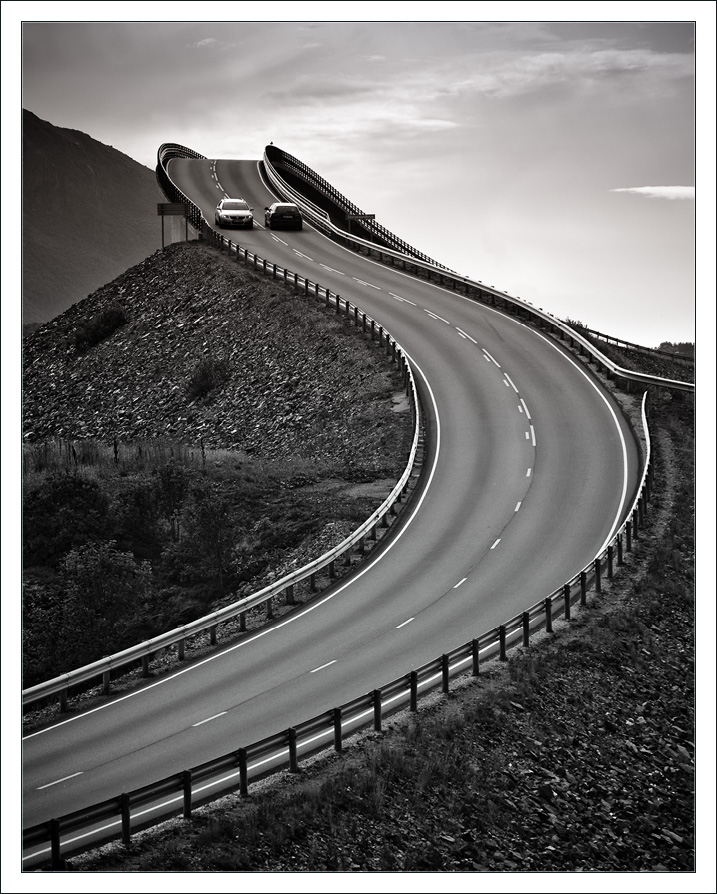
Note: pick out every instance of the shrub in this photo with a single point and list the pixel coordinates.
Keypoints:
(100, 326)
(210, 373)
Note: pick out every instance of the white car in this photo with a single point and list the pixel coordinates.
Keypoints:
(234, 213)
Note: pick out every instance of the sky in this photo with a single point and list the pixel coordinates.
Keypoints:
(569, 162)
(555, 160)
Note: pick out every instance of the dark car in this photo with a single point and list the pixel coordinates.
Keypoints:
(234, 213)
(283, 214)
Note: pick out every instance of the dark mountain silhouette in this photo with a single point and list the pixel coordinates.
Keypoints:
(89, 212)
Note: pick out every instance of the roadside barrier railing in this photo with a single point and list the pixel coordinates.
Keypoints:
(52, 841)
(129, 811)
(356, 541)
(422, 266)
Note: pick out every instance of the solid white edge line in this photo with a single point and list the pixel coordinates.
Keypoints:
(291, 619)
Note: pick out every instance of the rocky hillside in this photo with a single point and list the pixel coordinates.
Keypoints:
(89, 213)
(127, 364)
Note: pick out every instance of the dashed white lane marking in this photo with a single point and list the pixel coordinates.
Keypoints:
(496, 543)
(510, 382)
(328, 664)
(404, 623)
(206, 720)
(460, 582)
(276, 239)
(527, 412)
(532, 434)
(517, 505)
(331, 269)
(405, 300)
(302, 255)
(491, 358)
(58, 781)
(520, 409)
(528, 473)
(435, 316)
(369, 284)
(527, 436)
(465, 335)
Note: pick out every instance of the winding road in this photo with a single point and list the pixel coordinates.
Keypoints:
(529, 472)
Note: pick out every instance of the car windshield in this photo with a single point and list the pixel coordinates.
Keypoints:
(235, 206)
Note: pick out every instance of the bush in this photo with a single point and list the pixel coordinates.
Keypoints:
(209, 374)
(100, 326)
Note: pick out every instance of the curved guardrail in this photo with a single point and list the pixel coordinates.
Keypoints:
(120, 816)
(276, 159)
(422, 267)
(178, 636)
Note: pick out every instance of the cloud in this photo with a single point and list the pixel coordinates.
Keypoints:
(504, 77)
(660, 192)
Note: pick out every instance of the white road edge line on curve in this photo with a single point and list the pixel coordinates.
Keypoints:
(404, 623)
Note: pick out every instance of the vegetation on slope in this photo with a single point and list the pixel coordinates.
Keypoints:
(192, 430)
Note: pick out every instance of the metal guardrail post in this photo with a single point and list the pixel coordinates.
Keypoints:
(413, 684)
(526, 629)
(106, 683)
(598, 575)
(475, 655)
(126, 819)
(338, 743)
(243, 772)
(502, 637)
(187, 793)
(628, 537)
(548, 614)
(610, 570)
(583, 588)
(293, 762)
(377, 710)
(57, 861)
(445, 674)
(566, 600)
(618, 541)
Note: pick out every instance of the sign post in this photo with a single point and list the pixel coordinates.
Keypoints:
(174, 209)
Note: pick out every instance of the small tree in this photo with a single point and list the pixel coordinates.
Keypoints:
(106, 596)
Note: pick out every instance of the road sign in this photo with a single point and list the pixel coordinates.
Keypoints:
(178, 208)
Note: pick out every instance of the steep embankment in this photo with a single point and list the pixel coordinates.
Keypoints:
(89, 213)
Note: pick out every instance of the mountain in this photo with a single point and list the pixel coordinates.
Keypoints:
(89, 212)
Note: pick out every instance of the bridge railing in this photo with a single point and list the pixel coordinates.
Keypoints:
(119, 817)
(422, 266)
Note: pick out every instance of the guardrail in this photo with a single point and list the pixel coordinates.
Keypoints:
(240, 766)
(120, 816)
(422, 267)
(652, 352)
(275, 158)
(285, 585)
